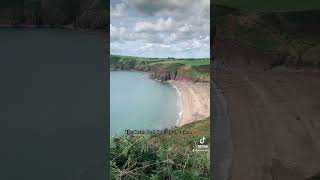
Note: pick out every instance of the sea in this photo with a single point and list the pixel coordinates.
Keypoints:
(140, 103)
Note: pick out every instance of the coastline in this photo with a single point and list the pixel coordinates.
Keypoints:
(195, 101)
(179, 103)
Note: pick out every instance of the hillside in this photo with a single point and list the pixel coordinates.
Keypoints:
(84, 14)
(273, 5)
(162, 156)
(266, 67)
(279, 32)
(165, 69)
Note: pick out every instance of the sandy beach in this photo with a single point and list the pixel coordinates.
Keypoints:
(195, 101)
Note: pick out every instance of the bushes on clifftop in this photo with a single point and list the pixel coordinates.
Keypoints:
(164, 69)
(161, 156)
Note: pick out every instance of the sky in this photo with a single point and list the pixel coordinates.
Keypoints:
(160, 28)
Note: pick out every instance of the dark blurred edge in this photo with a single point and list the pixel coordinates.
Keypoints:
(212, 119)
(108, 93)
(104, 125)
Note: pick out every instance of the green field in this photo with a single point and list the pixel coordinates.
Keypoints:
(190, 61)
(122, 57)
(271, 5)
(194, 62)
(191, 69)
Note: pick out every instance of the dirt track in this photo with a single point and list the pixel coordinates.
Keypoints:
(275, 123)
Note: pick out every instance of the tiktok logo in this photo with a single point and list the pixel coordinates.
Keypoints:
(202, 147)
(202, 140)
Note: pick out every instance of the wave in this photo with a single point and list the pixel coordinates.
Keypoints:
(179, 103)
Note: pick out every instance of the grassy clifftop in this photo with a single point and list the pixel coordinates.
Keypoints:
(288, 30)
(162, 156)
(164, 69)
(273, 5)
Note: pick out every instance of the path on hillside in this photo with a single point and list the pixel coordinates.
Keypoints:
(222, 146)
(275, 125)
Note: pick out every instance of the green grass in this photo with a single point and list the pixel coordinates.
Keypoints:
(136, 58)
(190, 61)
(203, 128)
(289, 34)
(192, 69)
(271, 5)
(194, 62)
(162, 156)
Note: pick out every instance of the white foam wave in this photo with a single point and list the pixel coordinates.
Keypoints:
(179, 103)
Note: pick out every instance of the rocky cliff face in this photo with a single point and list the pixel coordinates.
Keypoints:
(163, 76)
(162, 70)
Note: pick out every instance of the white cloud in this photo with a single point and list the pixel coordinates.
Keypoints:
(165, 28)
(171, 38)
(161, 25)
(117, 33)
(118, 10)
(185, 28)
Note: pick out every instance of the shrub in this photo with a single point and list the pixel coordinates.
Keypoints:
(159, 156)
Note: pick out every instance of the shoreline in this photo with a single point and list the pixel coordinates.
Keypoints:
(193, 97)
(179, 103)
(195, 101)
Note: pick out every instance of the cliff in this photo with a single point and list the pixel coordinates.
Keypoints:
(196, 70)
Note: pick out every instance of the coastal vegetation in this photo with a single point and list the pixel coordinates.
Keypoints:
(163, 69)
(285, 30)
(264, 6)
(84, 14)
(316, 177)
(162, 156)
(277, 33)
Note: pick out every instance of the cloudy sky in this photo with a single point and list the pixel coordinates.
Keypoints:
(160, 28)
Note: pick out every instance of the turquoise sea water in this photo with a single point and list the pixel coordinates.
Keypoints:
(139, 103)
